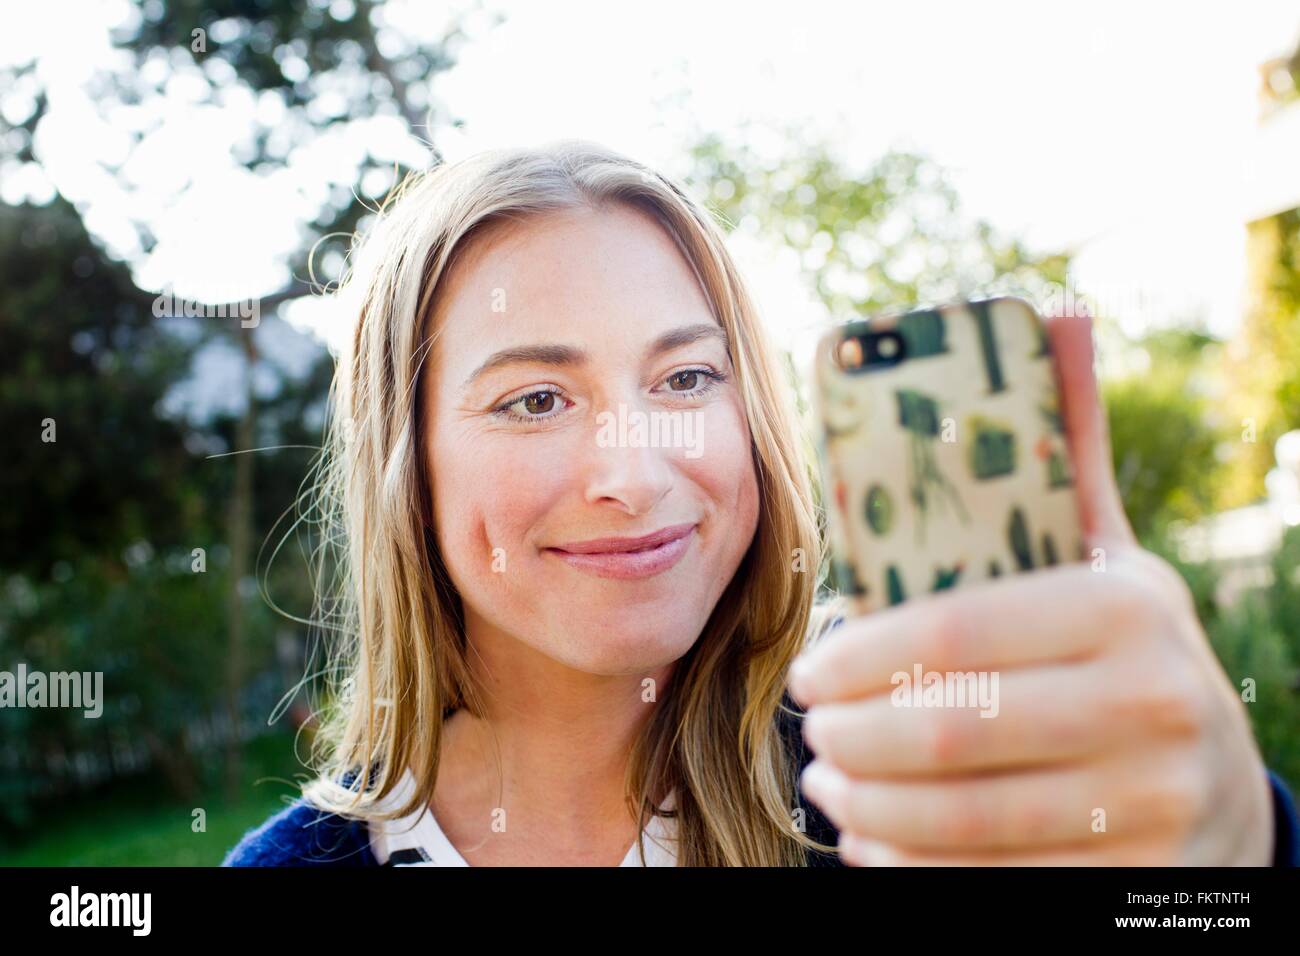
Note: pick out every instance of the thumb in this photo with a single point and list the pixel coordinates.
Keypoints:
(1101, 511)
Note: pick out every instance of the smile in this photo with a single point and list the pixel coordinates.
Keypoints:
(628, 558)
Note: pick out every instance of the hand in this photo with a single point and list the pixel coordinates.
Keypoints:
(1117, 738)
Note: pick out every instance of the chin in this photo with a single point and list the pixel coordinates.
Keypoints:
(625, 642)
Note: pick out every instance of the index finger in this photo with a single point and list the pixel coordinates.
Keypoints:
(1044, 616)
(1101, 510)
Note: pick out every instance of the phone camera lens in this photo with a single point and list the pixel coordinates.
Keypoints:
(850, 353)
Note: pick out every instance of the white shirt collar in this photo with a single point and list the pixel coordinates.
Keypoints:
(417, 840)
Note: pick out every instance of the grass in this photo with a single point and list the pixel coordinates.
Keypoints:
(131, 826)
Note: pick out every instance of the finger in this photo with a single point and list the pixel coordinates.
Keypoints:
(1101, 510)
(999, 720)
(1025, 810)
(860, 851)
(1059, 613)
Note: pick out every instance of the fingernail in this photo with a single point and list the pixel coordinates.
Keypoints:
(814, 730)
(800, 680)
(823, 784)
(852, 850)
(860, 851)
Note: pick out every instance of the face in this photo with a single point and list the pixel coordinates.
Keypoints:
(593, 486)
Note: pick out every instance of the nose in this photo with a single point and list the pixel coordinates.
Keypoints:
(623, 469)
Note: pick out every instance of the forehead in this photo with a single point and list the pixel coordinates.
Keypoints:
(585, 276)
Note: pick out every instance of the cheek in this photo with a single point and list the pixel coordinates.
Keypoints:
(488, 494)
(725, 473)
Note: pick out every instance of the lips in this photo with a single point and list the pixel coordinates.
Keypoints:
(628, 558)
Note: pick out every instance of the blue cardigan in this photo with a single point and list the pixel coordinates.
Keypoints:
(303, 835)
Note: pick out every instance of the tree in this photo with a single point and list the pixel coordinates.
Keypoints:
(869, 240)
(97, 559)
(1264, 365)
(1165, 439)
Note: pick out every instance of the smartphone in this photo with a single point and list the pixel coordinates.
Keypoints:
(943, 452)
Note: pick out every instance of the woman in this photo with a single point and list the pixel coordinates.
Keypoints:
(606, 623)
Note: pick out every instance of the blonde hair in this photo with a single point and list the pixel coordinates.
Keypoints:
(399, 664)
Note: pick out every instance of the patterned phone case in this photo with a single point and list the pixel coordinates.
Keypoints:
(949, 467)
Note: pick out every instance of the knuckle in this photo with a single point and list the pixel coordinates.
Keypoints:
(1170, 704)
(1036, 822)
(964, 824)
(1152, 591)
(1132, 600)
(1189, 798)
(1188, 714)
(949, 637)
(1166, 576)
(947, 742)
(1171, 801)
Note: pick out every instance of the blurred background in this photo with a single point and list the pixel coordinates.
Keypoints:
(1143, 161)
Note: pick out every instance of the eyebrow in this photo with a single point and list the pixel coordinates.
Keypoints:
(572, 355)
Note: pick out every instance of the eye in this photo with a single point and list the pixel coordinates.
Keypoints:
(693, 381)
(533, 406)
(538, 403)
(684, 381)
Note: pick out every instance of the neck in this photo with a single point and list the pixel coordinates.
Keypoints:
(551, 749)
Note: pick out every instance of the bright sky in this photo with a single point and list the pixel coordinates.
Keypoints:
(1126, 129)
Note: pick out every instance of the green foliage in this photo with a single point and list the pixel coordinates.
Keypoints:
(83, 349)
(157, 634)
(1286, 335)
(879, 239)
(1251, 647)
(132, 825)
(1163, 440)
(1284, 594)
(100, 524)
(1258, 639)
(95, 558)
(1265, 370)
